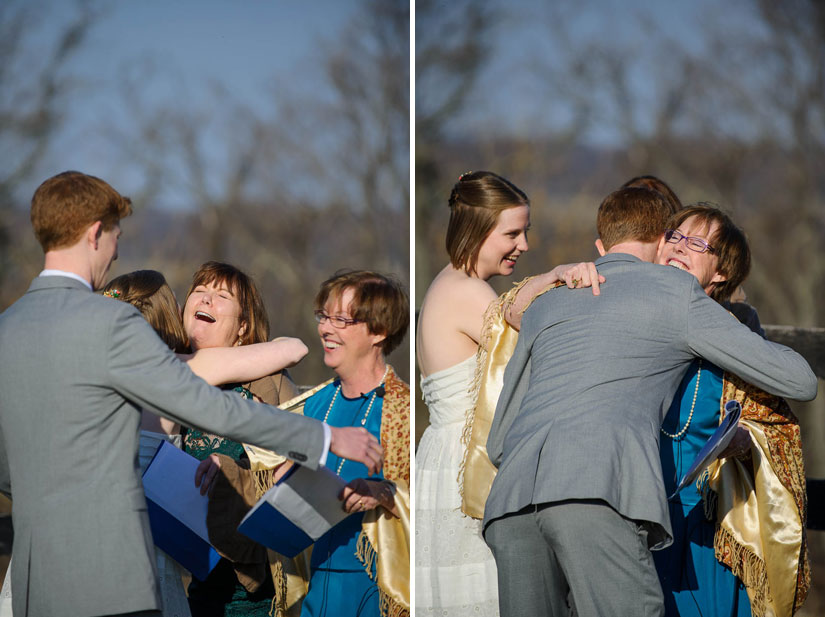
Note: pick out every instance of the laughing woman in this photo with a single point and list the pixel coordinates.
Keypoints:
(362, 316)
(738, 534)
(487, 234)
(224, 309)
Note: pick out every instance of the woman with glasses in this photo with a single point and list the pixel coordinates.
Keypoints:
(717, 565)
(362, 317)
(360, 567)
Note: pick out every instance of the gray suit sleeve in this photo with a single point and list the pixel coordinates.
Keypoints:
(747, 315)
(713, 333)
(5, 474)
(143, 370)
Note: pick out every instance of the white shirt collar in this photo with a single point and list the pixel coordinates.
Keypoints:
(71, 275)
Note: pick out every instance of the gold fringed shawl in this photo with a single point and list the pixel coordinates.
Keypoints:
(498, 340)
(382, 534)
(384, 540)
(762, 504)
(265, 462)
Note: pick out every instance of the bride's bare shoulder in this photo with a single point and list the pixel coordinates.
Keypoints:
(455, 287)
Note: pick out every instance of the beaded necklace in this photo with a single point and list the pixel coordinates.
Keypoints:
(680, 435)
(366, 414)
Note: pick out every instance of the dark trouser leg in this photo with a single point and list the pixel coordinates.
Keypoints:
(529, 579)
(604, 557)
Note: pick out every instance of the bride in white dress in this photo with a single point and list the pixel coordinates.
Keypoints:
(455, 573)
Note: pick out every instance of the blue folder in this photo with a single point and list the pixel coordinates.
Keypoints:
(177, 510)
(298, 510)
(714, 446)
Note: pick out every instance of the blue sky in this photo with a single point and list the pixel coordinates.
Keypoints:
(511, 95)
(182, 49)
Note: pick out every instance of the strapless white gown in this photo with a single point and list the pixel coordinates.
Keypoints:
(172, 593)
(455, 574)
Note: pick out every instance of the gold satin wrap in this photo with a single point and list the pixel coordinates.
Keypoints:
(762, 504)
(384, 540)
(387, 535)
(498, 340)
(261, 460)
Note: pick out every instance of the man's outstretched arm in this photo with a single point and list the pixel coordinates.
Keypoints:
(143, 370)
(714, 333)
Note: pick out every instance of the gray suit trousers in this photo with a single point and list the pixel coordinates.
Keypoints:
(578, 551)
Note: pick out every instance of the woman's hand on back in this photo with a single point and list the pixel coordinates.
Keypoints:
(575, 276)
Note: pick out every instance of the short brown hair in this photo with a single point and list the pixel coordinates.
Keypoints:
(253, 312)
(475, 203)
(379, 301)
(148, 291)
(66, 204)
(631, 215)
(660, 186)
(729, 243)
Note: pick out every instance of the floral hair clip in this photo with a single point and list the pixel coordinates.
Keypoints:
(466, 173)
(112, 293)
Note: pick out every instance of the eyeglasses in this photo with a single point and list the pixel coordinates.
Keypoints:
(693, 243)
(337, 322)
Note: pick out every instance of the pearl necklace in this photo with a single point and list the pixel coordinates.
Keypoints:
(366, 414)
(678, 436)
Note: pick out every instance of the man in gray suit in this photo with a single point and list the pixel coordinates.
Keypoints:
(75, 370)
(578, 500)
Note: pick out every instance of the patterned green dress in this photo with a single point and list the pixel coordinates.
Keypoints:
(221, 595)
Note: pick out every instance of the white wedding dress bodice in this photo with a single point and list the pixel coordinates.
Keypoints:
(455, 574)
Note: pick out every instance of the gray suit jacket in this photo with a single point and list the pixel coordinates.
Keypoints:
(591, 376)
(75, 370)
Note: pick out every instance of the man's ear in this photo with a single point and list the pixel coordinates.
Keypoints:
(93, 233)
(600, 247)
(660, 245)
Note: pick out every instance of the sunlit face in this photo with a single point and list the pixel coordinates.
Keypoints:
(212, 316)
(505, 244)
(106, 253)
(701, 265)
(346, 349)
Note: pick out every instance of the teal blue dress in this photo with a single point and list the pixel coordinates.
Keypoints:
(694, 583)
(338, 585)
(221, 595)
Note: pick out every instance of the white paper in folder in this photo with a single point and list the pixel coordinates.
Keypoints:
(302, 507)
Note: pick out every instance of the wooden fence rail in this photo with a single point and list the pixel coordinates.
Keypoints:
(810, 343)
